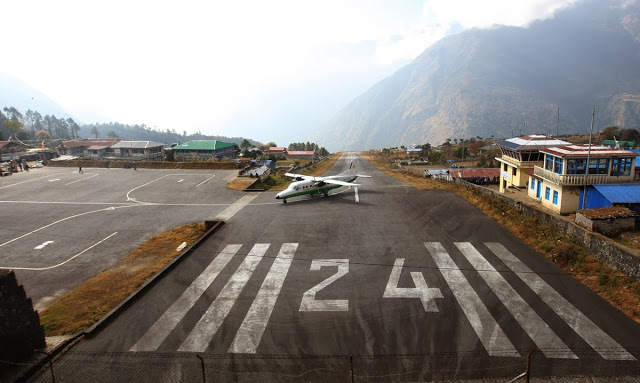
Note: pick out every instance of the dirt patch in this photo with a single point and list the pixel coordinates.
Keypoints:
(90, 301)
(240, 183)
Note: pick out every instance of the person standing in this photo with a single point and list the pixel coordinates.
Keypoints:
(80, 169)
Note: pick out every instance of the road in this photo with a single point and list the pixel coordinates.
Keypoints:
(386, 283)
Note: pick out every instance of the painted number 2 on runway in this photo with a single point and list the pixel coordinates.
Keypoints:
(421, 291)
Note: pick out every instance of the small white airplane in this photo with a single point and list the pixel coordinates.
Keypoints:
(318, 185)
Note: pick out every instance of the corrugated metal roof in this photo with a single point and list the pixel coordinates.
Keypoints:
(475, 173)
(203, 145)
(531, 142)
(582, 151)
(136, 145)
(620, 193)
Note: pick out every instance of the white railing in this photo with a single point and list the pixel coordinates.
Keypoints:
(578, 179)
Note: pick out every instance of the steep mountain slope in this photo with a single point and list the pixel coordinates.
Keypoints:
(489, 82)
(16, 93)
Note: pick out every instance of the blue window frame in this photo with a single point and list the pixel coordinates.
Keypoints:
(555, 197)
(557, 165)
(548, 162)
(533, 183)
(621, 166)
(547, 193)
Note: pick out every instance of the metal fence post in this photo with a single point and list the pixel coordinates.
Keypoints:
(204, 376)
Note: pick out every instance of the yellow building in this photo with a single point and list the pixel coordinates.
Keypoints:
(559, 180)
(519, 156)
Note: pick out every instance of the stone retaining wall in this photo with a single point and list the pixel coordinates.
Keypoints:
(602, 248)
(20, 329)
(145, 164)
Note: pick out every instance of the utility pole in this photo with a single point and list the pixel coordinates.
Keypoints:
(558, 123)
(586, 168)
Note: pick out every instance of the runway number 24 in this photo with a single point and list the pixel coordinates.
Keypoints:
(421, 291)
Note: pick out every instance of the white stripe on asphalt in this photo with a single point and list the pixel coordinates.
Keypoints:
(248, 336)
(357, 198)
(495, 341)
(546, 340)
(583, 326)
(236, 207)
(199, 338)
(154, 337)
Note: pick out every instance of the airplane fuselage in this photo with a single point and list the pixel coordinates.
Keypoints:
(312, 187)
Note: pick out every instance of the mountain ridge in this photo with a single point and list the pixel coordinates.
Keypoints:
(491, 82)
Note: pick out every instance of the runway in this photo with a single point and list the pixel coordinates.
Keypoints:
(389, 284)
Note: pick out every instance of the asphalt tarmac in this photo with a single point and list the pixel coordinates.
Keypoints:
(59, 227)
(382, 283)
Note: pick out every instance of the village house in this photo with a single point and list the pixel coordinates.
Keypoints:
(559, 182)
(86, 147)
(139, 150)
(519, 156)
(205, 149)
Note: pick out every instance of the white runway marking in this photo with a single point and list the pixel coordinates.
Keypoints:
(205, 180)
(493, 339)
(62, 220)
(61, 263)
(357, 198)
(546, 340)
(154, 337)
(583, 326)
(40, 247)
(54, 180)
(199, 338)
(36, 179)
(236, 207)
(179, 181)
(83, 179)
(248, 336)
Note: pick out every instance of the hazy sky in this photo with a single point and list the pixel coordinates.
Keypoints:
(267, 70)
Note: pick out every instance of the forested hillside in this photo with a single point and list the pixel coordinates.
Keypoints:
(33, 126)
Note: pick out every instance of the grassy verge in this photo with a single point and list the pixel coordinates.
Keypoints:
(90, 301)
(619, 290)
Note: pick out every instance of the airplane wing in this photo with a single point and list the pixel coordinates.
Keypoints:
(336, 182)
(299, 177)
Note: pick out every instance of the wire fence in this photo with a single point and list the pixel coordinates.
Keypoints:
(77, 366)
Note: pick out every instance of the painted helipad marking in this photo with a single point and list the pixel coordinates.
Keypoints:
(35, 179)
(250, 333)
(493, 338)
(40, 247)
(62, 220)
(583, 326)
(199, 338)
(83, 179)
(540, 332)
(61, 263)
(154, 337)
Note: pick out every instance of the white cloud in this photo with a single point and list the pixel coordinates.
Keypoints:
(195, 64)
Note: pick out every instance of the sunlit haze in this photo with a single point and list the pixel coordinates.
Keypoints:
(267, 70)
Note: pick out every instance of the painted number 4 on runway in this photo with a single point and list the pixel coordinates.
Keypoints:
(421, 291)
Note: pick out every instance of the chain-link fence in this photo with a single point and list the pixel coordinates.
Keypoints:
(75, 366)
